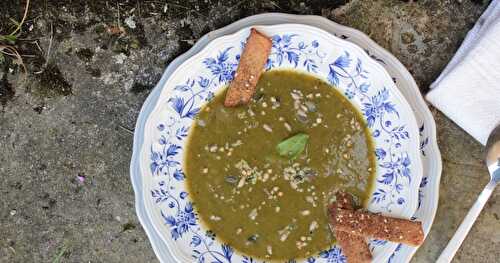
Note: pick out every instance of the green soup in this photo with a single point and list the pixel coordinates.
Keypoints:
(264, 204)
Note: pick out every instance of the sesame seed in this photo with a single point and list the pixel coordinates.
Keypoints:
(253, 214)
(269, 250)
(266, 176)
(267, 128)
(305, 212)
(313, 226)
(215, 218)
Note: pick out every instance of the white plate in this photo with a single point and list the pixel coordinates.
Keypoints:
(405, 83)
(363, 81)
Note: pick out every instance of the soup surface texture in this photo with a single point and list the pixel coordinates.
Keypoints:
(267, 196)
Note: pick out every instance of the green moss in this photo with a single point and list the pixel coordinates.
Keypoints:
(85, 54)
(138, 88)
(128, 226)
(407, 38)
(132, 39)
(7, 92)
(52, 83)
(94, 72)
(99, 29)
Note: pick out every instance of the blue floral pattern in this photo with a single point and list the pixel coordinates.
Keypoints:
(346, 71)
(333, 255)
(391, 258)
(424, 141)
(382, 118)
(295, 53)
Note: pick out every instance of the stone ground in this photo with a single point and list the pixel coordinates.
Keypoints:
(91, 64)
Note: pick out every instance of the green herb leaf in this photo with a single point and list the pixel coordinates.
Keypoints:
(293, 146)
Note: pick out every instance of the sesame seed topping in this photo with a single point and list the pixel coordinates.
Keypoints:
(267, 128)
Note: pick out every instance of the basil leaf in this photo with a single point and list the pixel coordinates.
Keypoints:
(293, 146)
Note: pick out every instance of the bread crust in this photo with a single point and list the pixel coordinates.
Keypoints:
(377, 226)
(252, 63)
(354, 247)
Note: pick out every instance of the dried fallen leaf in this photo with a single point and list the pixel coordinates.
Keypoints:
(116, 30)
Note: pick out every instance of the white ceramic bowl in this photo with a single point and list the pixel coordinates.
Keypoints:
(305, 48)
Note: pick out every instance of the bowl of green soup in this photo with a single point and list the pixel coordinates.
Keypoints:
(253, 183)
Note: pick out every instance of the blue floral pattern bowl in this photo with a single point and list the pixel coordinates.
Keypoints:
(360, 78)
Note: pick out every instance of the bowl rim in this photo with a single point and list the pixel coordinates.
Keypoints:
(277, 18)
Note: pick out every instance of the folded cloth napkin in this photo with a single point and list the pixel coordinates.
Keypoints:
(468, 89)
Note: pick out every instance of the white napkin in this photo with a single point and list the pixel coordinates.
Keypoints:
(468, 89)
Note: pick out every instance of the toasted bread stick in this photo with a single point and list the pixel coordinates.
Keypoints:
(354, 247)
(378, 226)
(252, 63)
